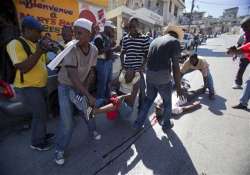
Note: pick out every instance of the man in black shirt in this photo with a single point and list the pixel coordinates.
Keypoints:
(163, 56)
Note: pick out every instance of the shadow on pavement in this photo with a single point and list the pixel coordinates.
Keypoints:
(215, 106)
(165, 155)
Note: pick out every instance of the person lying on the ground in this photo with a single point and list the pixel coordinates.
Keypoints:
(120, 104)
(197, 63)
(177, 110)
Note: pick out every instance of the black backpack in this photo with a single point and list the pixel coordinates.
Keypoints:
(8, 69)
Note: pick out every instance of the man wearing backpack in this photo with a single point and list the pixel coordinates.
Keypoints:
(29, 60)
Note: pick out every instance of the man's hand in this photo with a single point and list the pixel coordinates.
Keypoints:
(180, 94)
(234, 57)
(232, 50)
(91, 100)
(44, 44)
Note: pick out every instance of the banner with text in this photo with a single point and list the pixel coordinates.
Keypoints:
(53, 14)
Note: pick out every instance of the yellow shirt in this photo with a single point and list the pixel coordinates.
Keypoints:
(38, 75)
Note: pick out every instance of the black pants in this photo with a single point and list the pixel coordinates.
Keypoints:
(242, 67)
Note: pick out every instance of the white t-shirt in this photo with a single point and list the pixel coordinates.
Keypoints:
(127, 88)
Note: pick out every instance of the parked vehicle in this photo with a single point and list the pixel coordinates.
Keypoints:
(13, 112)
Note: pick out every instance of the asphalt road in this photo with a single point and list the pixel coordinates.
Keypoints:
(214, 140)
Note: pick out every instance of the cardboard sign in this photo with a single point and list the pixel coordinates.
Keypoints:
(53, 14)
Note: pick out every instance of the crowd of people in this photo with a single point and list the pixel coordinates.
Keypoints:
(85, 77)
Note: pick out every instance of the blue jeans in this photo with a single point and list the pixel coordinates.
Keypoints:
(246, 94)
(165, 91)
(35, 100)
(65, 129)
(209, 83)
(104, 76)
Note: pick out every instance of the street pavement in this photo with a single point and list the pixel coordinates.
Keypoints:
(213, 140)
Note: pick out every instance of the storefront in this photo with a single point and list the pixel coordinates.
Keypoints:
(149, 20)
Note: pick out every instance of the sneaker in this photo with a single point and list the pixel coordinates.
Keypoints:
(240, 106)
(42, 146)
(236, 86)
(168, 126)
(49, 136)
(59, 157)
(96, 135)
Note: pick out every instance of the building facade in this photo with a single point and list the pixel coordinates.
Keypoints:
(153, 14)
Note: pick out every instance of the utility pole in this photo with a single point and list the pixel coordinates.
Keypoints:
(191, 15)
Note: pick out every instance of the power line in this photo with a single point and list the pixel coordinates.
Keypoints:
(190, 17)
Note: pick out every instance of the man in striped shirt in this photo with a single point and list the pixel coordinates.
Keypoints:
(134, 52)
(134, 47)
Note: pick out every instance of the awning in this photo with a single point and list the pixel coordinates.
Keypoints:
(149, 16)
(143, 14)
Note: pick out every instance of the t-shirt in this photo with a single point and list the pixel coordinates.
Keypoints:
(163, 52)
(127, 88)
(246, 50)
(83, 63)
(102, 42)
(202, 65)
(38, 75)
(134, 48)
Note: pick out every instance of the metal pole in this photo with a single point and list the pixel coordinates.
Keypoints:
(191, 13)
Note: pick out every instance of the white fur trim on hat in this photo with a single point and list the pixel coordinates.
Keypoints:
(84, 23)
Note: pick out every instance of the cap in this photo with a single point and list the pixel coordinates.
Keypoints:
(32, 23)
(109, 24)
(83, 23)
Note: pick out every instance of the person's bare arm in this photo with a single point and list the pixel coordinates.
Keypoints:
(176, 68)
(177, 79)
(30, 62)
(110, 107)
(122, 55)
